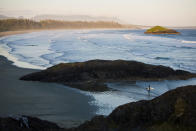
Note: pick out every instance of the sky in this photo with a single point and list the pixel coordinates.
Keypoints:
(140, 12)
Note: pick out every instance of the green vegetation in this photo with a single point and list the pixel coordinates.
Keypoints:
(25, 24)
(157, 28)
(18, 24)
(161, 30)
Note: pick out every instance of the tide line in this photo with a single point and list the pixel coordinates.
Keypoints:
(16, 62)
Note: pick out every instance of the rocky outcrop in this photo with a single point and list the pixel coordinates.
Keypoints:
(173, 111)
(161, 30)
(91, 75)
(26, 123)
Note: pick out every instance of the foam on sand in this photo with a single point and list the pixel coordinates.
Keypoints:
(47, 48)
(185, 41)
(125, 92)
(15, 60)
(108, 101)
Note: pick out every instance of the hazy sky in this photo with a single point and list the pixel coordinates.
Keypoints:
(142, 12)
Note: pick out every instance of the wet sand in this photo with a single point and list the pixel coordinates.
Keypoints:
(6, 33)
(57, 103)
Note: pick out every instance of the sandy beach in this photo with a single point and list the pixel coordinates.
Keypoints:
(53, 102)
(48, 101)
(7, 33)
(69, 107)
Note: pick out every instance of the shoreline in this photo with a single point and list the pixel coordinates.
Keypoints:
(62, 30)
(8, 33)
(141, 115)
(44, 113)
(21, 64)
(10, 93)
(47, 101)
(16, 62)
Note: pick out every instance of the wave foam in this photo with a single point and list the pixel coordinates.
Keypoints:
(16, 62)
(49, 48)
(108, 101)
(185, 41)
(127, 36)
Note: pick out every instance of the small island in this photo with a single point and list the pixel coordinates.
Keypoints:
(160, 30)
(92, 75)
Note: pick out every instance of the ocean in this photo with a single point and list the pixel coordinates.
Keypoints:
(40, 50)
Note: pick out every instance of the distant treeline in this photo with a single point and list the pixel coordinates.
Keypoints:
(24, 24)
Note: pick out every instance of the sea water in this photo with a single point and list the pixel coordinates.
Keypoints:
(47, 48)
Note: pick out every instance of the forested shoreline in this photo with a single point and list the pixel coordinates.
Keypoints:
(25, 24)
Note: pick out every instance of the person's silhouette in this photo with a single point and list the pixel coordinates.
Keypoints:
(148, 89)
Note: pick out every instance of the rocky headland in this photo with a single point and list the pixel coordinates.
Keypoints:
(26, 123)
(161, 30)
(175, 110)
(91, 75)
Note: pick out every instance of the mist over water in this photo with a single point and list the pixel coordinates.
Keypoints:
(48, 48)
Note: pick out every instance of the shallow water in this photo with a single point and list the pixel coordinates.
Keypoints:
(125, 92)
(48, 48)
(53, 102)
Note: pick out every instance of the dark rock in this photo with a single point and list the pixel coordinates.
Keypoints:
(91, 75)
(26, 123)
(173, 111)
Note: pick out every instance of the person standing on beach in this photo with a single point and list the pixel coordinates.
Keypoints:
(148, 89)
